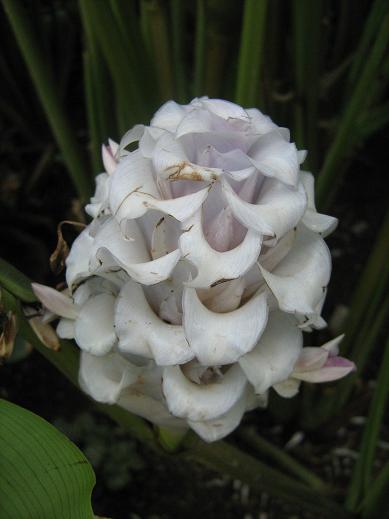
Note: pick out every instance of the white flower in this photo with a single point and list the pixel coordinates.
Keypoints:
(202, 266)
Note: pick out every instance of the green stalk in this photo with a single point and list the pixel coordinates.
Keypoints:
(200, 46)
(91, 111)
(122, 62)
(156, 30)
(375, 277)
(376, 118)
(377, 12)
(16, 282)
(300, 17)
(98, 93)
(48, 95)
(376, 499)
(333, 405)
(361, 480)
(330, 175)
(252, 45)
(178, 31)
(282, 459)
(227, 459)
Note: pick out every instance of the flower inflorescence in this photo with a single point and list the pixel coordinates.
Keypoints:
(204, 263)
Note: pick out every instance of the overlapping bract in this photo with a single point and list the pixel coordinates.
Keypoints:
(202, 266)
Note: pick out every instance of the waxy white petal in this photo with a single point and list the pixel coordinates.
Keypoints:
(142, 332)
(213, 266)
(276, 353)
(99, 200)
(274, 157)
(134, 192)
(133, 175)
(77, 262)
(299, 280)
(104, 378)
(133, 135)
(108, 159)
(225, 109)
(57, 302)
(186, 399)
(288, 388)
(66, 328)
(94, 331)
(218, 428)
(332, 346)
(261, 123)
(149, 408)
(218, 339)
(320, 223)
(223, 297)
(111, 249)
(311, 358)
(278, 210)
(168, 116)
(171, 162)
(334, 369)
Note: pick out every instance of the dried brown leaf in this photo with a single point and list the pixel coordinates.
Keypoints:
(8, 335)
(58, 257)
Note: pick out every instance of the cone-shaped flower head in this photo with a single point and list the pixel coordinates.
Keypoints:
(202, 266)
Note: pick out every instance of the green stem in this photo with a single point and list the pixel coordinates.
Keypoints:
(281, 458)
(227, 459)
(16, 282)
(376, 499)
(375, 276)
(156, 31)
(178, 30)
(200, 46)
(248, 88)
(330, 175)
(48, 95)
(361, 480)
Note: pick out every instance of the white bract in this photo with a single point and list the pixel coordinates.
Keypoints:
(203, 264)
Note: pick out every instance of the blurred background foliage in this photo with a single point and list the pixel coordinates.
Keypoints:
(75, 73)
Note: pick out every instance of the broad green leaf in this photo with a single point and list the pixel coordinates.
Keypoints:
(43, 475)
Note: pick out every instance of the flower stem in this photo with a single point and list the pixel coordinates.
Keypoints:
(361, 479)
(248, 88)
(48, 95)
(227, 459)
(284, 460)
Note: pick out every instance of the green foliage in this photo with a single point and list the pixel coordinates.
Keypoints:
(320, 69)
(42, 474)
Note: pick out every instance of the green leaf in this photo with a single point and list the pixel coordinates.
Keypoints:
(43, 475)
(200, 48)
(227, 459)
(377, 498)
(333, 167)
(16, 282)
(48, 95)
(282, 459)
(248, 89)
(361, 480)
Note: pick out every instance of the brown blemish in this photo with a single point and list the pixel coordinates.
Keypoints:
(220, 281)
